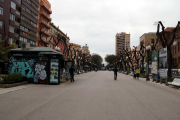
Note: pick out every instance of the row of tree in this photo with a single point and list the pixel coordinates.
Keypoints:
(127, 59)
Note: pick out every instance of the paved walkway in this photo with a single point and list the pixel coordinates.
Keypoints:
(93, 96)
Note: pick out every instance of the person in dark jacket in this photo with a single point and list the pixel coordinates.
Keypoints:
(115, 73)
(71, 71)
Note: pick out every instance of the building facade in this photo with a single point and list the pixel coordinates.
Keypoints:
(18, 21)
(85, 49)
(53, 39)
(122, 41)
(75, 50)
(29, 22)
(10, 20)
(44, 23)
(146, 38)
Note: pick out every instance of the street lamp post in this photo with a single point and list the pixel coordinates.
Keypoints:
(127, 65)
(120, 64)
(148, 50)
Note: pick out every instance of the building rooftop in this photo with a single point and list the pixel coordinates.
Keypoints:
(169, 28)
(38, 49)
(122, 33)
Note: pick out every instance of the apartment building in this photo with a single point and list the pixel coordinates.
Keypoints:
(85, 49)
(53, 39)
(44, 22)
(29, 22)
(10, 20)
(146, 38)
(122, 41)
(175, 47)
(76, 47)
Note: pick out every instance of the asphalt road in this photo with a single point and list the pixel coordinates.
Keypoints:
(93, 96)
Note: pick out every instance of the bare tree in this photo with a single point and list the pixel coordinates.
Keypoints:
(162, 36)
(142, 53)
(130, 59)
(136, 55)
(42, 42)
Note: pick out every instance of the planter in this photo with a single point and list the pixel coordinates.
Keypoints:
(12, 85)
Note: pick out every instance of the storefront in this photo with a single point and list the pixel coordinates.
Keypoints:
(38, 64)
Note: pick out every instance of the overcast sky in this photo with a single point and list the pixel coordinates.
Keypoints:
(96, 22)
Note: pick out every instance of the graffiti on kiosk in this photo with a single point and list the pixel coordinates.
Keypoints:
(40, 73)
(25, 67)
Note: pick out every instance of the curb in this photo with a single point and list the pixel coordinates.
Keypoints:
(12, 85)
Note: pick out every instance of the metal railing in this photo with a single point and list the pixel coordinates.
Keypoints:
(17, 12)
(16, 23)
(16, 35)
(18, 1)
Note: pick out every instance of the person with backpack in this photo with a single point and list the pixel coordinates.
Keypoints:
(115, 73)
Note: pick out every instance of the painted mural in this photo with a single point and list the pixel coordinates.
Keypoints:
(40, 73)
(25, 67)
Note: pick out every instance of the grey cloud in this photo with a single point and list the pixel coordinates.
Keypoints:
(96, 22)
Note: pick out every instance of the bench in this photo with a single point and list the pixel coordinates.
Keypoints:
(175, 82)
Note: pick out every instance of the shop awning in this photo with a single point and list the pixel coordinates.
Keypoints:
(50, 53)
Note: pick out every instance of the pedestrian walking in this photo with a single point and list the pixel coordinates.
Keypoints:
(137, 72)
(115, 73)
(71, 71)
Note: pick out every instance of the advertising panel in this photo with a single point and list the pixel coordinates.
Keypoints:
(154, 62)
(54, 70)
(163, 62)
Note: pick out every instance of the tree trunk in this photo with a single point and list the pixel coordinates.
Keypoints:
(169, 58)
(143, 65)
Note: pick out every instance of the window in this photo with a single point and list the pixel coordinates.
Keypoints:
(11, 40)
(11, 29)
(1, 10)
(28, 10)
(0, 37)
(12, 17)
(1, 24)
(22, 18)
(25, 29)
(21, 39)
(25, 39)
(31, 42)
(29, 1)
(18, 1)
(21, 27)
(23, 8)
(13, 5)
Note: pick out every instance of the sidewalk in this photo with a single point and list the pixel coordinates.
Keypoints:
(7, 90)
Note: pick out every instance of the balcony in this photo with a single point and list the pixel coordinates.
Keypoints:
(16, 35)
(43, 40)
(16, 23)
(17, 12)
(18, 1)
(44, 23)
(45, 15)
(43, 5)
(46, 33)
